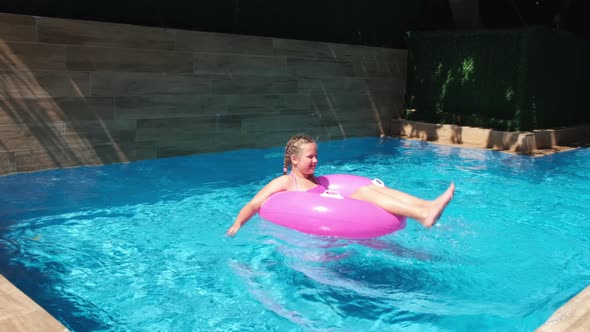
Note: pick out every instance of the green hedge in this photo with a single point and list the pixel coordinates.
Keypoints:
(503, 79)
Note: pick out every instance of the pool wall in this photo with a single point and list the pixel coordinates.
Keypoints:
(536, 142)
(87, 93)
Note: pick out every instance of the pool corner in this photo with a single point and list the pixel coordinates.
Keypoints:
(572, 316)
(19, 313)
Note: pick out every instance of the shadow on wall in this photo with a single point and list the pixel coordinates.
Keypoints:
(497, 140)
(473, 136)
(422, 131)
(46, 116)
(330, 109)
(85, 93)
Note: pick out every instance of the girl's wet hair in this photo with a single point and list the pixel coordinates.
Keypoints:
(293, 147)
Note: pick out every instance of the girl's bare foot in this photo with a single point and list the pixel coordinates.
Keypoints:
(438, 207)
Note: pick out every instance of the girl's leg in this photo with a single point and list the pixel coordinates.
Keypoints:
(425, 212)
(401, 196)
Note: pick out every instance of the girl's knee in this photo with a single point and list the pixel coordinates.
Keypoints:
(364, 191)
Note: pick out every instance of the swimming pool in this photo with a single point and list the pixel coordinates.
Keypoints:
(141, 246)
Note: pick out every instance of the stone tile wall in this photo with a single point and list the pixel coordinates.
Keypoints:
(83, 93)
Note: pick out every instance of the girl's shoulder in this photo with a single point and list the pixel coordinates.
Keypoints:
(280, 179)
(283, 179)
(279, 183)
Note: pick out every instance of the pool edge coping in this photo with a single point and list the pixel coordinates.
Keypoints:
(572, 316)
(538, 142)
(19, 313)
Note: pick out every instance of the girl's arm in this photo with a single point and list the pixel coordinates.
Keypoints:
(251, 208)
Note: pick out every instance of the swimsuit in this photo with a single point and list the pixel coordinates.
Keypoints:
(319, 189)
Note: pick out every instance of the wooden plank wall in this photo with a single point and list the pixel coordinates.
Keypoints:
(88, 93)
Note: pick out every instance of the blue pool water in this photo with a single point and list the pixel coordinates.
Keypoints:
(141, 246)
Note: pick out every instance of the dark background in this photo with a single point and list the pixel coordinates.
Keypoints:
(364, 22)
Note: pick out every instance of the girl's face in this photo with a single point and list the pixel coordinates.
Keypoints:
(307, 159)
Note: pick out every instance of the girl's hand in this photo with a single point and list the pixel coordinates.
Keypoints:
(279, 184)
(233, 230)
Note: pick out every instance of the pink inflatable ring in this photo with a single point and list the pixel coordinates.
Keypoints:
(332, 213)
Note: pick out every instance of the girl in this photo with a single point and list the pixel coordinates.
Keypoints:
(301, 153)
